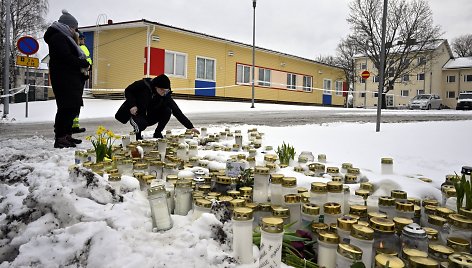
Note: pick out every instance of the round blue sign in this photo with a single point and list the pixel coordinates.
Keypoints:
(27, 45)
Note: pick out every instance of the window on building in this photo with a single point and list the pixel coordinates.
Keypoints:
(406, 78)
(406, 62)
(451, 79)
(468, 78)
(420, 76)
(420, 92)
(264, 77)
(405, 93)
(206, 68)
(291, 81)
(307, 83)
(375, 78)
(327, 86)
(339, 88)
(363, 66)
(451, 94)
(362, 80)
(391, 72)
(375, 94)
(421, 60)
(175, 63)
(362, 95)
(243, 74)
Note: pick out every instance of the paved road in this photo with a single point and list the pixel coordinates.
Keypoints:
(270, 118)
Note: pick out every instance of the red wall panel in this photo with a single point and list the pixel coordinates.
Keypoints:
(157, 61)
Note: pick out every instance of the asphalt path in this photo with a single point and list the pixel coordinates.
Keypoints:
(268, 118)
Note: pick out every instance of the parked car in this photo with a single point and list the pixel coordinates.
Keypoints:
(425, 102)
(464, 101)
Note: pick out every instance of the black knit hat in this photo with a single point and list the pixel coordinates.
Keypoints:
(69, 20)
(161, 81)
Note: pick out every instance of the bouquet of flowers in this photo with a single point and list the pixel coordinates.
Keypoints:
(102, 142)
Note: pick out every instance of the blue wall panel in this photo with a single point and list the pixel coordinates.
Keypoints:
(327, 99)
(89, 42)
(207, 88)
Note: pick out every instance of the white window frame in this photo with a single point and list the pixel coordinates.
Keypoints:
(291, 81)
(174, 73)
(448, 79)
(338, 85)
(421, 60)
(407, 76)
(307, 83)
(467, 78)
(404, 93)
(262, 80)
(326, 90)
(243, 80)
(375, 78)
(418, 77)
(450, 94)
(419, 91)
(363, 66)
(213, 79)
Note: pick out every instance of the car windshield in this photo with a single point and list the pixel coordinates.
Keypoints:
(421, 97)
(463, 96)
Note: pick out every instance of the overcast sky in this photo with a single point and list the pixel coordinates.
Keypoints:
(306, 28)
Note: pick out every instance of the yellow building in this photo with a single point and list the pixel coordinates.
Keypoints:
(457, 77)
(204, 65)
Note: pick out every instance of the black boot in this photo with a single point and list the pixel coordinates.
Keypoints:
(157, 135)
(139, 136)
(62, 142)
(78, 130)
(75, 141)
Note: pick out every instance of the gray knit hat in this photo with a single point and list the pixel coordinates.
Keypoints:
(68, 19)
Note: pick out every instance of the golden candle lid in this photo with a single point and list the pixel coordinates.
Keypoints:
(214, 194)
(373, 214)
(332, 170)
(428, 180)
(281, 212)
(237, 203)
(246, 190)
(458, 244)
(205, 188)
(382, 225)
(338, 178)
(292, 198)
(261, 170)
(298, 169)
(305, 197)
(319, 187)
(446, 186)
(362, 232)
(450, 192)
(350, 251)
(430, 210)
(444, 212)
(386, 201)
(431, 202)
(362, 192)
(404, 206)
(183, 184)
(114, 177)
(414, 200)
(266, 207)
(251, 159)
(289, 182)
(388, 261)
(301, 190)
(316, 167)
(386, 251)
(311, 209)
(417, 211)
(439, 250)
(332, 208)
(436, 220)
(334, 187)
(413, 252)
(225, 198)
(358, 210)
(276, 178)
(346, 165)
(350, 178)
(363, 223)
(431, 233)
(156, 189)
(328, 237)
(200, 202)
(317, 227)
(423, 262)
(138, 175)
(353, 170)
(242, 214)
(171, 177)
(233, 193)
(460, 221)
(157, 163)
(398, 194)
(148, 178)
(321, 157)
(270, 158)
(466, 212)
(460, 260)
(272, 225)
(223, 180)
(386, 160)
(401, 222)
(367, 186)
(254, 206)
(451, 177)
(345, 222)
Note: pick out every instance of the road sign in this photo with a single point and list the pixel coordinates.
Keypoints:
(27, 45)
(27, 61)
(365, 74)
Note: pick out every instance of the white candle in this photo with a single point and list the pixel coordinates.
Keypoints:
(242, 234)
(327, 244)
(261, 184)
(386, 165)
(271, 242)
(159, 211)
(363, 238)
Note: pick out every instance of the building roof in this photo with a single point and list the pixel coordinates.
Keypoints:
(144, 22)
(430, 46)
(458, 63)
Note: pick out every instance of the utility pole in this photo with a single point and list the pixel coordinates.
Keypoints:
(6, 65)
(382, 66)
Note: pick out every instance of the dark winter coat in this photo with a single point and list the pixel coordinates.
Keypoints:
(141, 95)
(64, 69)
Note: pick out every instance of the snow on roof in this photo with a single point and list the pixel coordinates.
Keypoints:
(457, 63)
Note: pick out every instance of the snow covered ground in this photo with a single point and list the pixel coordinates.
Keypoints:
(54, 216)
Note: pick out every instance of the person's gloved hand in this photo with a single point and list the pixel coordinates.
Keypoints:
(133, 110)
(194, 130)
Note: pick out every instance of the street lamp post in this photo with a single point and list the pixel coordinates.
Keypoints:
(253, 47)
(6, 64)
(382, 66)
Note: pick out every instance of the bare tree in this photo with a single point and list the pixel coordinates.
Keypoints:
(27, 18)
(410, 34)
(345, 53)
(462, 45)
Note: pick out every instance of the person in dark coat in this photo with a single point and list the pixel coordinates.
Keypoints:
(149, 102)
(67, 79)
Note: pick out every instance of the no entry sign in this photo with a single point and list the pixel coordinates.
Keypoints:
(27, 45)
(365, 74)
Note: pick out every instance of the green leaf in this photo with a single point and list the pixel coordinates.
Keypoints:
(358, 265)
